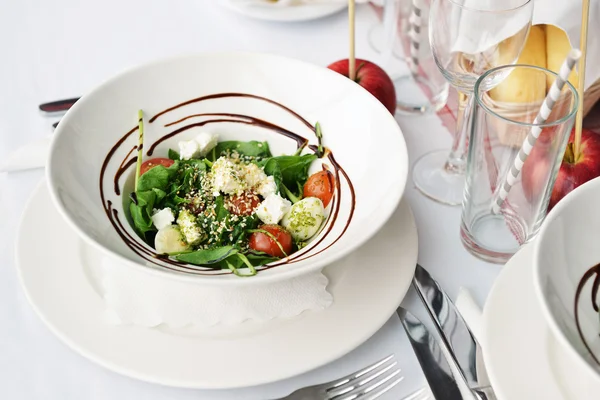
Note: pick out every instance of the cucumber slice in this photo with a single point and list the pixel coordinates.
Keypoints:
(304, 218)
(169, 240)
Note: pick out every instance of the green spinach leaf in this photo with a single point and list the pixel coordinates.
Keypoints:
(260, 259)
(157, 178)
(222, 212)
(290, 173)
(294, 169)
(237, 262)
(208, 257)
(252, 148)
(160, 195)
(146, 199)
(173, 155)
(141, 211)
(141, 219)
(272, 169)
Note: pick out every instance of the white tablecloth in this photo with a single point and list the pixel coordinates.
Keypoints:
(63, 48)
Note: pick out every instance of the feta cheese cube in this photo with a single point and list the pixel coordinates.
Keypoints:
(253, 175)
(226, 177)
(188, 149)
(267, 187)
(162, 218)
(189, 228)
(199, 146)
(206, 142)
(273, 208)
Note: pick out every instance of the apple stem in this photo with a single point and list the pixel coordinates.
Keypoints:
(585, 14)
(351, 30)
(569, 156)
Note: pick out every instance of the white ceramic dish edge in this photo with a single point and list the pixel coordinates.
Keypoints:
(539, 291)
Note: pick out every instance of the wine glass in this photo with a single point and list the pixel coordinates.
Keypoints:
(468, 38)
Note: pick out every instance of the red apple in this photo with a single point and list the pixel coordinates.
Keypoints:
(372, 78)
(575, 172)
(536, 169)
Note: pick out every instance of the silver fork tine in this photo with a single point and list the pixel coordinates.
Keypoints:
(363, 390)
(376, 394)
(361, 379)
(368, 383)
(360, 373)
(421, 394)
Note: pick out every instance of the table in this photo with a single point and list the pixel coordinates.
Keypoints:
(64, 48)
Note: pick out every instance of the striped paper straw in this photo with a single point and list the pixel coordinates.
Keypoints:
(415, 35)
(534, 133)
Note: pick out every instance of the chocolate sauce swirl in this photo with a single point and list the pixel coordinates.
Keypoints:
(592, 273)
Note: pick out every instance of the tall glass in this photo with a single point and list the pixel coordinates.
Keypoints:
(394, 20)
(499, 130)
(468, 38)
(420, 87)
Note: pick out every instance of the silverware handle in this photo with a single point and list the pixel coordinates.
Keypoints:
(58, 106)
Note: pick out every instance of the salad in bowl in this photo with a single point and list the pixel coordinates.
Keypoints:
(230, 204)
(250, 165)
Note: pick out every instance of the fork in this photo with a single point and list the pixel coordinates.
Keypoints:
(368, 383)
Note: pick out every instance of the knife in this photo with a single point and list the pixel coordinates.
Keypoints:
(58, 106)
(433, 361)
(452, 328)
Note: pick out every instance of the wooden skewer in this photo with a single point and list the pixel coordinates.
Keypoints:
(351, 58)
(585, 14)
(139, 148)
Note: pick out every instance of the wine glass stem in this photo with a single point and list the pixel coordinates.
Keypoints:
(390, 31)
(456, 162)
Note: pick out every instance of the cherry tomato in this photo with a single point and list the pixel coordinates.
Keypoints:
(321, 186)
(260, 241)
(243, 204)
(153, 162)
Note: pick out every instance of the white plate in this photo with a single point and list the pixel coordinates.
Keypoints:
(367, 286)
(523, 359)
(302, 12)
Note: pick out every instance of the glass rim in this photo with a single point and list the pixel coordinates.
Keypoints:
(456, 3)
(481, 103)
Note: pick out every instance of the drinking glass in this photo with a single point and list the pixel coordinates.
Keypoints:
(468, 38)
(420, 87)
(498, 131)
(393, 12)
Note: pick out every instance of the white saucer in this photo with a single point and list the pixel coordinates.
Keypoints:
(55, 270)
(523, 359)
(269, 12)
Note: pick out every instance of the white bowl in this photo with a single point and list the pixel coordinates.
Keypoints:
(569, 245)
(92, 143)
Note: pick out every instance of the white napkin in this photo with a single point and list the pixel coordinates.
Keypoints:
(476, 32)
(470, 311)
(30, 156)
(139, 298)
(567, 16)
